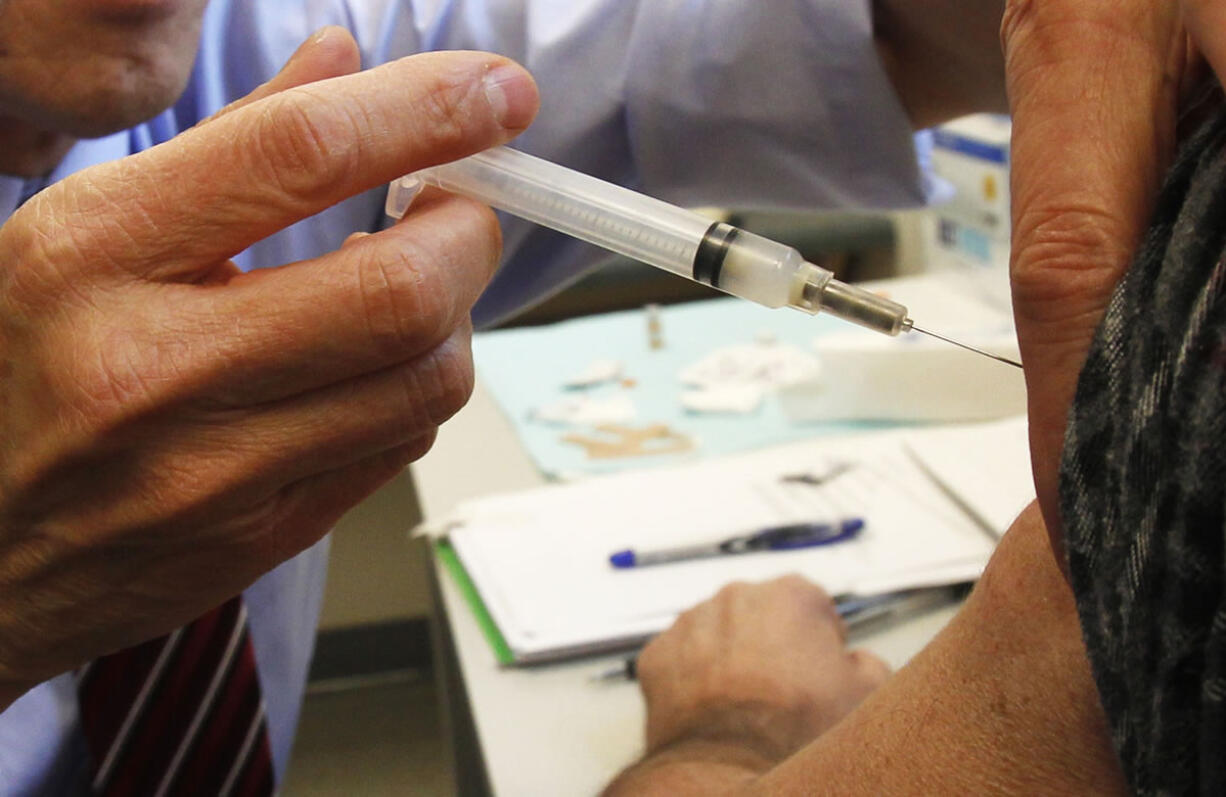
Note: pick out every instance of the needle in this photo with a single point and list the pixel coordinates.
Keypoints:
(996, 357)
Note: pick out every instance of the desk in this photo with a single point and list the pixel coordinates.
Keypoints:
(547, 730)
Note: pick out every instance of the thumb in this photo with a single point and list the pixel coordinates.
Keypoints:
(330, 52)
(1092, 85)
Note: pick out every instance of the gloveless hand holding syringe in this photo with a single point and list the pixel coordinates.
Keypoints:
(659, 234)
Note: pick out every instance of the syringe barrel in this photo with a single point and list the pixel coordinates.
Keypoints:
(652, 231)
(629, 223)
(592, 210)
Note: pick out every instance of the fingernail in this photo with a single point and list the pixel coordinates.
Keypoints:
(317, 38)
(512, 95)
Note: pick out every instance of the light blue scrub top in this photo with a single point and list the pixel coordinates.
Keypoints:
(700, 102)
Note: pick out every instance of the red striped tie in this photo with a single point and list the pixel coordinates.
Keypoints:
(179, 715)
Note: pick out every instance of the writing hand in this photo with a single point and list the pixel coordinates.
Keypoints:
(761, 668)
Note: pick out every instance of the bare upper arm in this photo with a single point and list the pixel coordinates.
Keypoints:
(1001, 701)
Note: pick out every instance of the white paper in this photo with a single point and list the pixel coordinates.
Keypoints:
(987, 466)
(540, 559)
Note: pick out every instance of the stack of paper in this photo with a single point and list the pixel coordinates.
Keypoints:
(985, 467)
(540, 559)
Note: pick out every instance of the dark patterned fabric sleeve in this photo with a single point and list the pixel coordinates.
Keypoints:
(1143, 487)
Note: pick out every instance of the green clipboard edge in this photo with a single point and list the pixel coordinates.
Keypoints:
(447, 555)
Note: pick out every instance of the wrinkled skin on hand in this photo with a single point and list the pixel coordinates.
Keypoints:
(764, 666)
(171, 429)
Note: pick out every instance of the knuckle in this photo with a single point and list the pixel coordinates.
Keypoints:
(794, 582)
(478, 224)
(25, 283)
(120, 380)
(652, 659)
(1017, 15)
(37, 254)
(97, 389)
(304, 143)
(686, 619)
(690, 622)
(444, 116)
(1063, 253)
(872, 670)
(284, 528)
(798, 590)
(409, 293)
(398, 458)
(25, 471)
(456, 378)
(458, 233)
(438, 385)
(732, 592)
(401, 306)
(1037, 36)
(1078, 227)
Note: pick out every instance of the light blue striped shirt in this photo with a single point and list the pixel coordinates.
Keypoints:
(700, 102)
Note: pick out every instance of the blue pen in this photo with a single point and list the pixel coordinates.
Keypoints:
(779, 538)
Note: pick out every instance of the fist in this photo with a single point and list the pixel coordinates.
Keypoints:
(765, 665)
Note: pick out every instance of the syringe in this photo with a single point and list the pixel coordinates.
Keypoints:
(643, 228)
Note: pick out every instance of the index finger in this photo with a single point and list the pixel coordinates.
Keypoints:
(216, 189)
